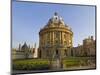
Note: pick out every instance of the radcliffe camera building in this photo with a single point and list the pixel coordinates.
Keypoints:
(55, 38)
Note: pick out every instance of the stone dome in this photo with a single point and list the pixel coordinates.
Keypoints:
(56, 19)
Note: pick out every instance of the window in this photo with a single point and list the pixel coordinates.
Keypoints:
(56, 18)
(65, 52)
(57, 34)
(57, 54)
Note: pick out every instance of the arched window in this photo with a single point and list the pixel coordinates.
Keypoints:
(57, 53)
(57, 36)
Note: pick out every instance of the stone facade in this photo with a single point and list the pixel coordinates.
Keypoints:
(89, 45)
(77, 51)
(88, 48)
(55, 38)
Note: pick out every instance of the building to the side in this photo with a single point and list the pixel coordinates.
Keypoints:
(23, 52)
(89, 45)
(88, 48)
(55, 38)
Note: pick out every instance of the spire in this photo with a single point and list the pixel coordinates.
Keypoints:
(19, 46)
(24, 46)
(29, 46)
(35, 45)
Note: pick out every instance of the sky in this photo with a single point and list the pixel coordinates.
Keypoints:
(29, 17)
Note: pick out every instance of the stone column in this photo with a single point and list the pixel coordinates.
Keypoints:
(61, 38)
(53, 37)
(50, 38)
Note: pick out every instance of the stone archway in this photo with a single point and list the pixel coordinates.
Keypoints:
(56, 60)
(57, 54)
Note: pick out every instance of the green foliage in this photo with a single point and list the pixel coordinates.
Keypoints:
(71, 63)
(44, 64)
(75, 61)
(30, 64)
